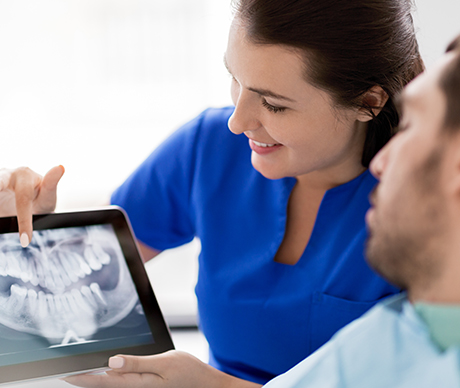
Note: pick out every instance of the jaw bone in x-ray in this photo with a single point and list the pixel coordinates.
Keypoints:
(66, 285)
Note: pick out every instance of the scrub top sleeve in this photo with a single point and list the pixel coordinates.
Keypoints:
(157, 195)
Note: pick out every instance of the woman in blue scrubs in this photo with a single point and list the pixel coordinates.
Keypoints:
(277, 186)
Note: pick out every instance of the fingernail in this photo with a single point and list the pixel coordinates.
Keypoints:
(24, 239)
(116, 362)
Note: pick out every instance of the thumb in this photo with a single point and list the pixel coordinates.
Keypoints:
(132, 364)
(52, 178)
(46, 200)
(158, 364)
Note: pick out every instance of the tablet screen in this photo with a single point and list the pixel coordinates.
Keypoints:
(70, 293)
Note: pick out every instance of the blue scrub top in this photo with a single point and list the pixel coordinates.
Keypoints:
(259, 317)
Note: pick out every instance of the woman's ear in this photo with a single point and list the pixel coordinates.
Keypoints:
(375, 99)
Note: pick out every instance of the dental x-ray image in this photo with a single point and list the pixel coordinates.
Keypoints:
(70, 286)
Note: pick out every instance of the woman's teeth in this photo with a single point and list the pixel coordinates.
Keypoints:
(263, 144)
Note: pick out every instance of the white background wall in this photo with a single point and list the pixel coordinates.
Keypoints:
(95, 85)
(437, 22)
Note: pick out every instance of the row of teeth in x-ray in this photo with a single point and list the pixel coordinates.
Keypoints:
(57, 271)
(87, 299)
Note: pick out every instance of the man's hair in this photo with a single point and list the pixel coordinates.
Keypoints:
(450, 85)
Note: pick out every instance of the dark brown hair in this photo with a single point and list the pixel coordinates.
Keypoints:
(450, 85)
(350, 46)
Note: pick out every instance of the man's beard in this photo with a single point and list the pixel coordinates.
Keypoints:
(404, 247)
(401, 258)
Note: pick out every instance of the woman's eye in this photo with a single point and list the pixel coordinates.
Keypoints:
(272, 108)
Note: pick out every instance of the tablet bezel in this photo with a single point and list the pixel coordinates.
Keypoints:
(95, 360)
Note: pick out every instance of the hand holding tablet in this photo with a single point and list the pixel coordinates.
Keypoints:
(75, 296)
(167, 370)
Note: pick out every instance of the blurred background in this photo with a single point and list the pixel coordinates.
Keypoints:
(95, 85)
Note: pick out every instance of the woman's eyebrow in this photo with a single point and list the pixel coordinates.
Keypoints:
(262, 92)
(268, 93)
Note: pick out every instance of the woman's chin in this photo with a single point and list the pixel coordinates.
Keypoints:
(268, 168)
(269, 173)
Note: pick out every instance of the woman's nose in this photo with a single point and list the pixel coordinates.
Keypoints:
(244, 117)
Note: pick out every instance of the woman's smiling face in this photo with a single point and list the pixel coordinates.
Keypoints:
(293, 127)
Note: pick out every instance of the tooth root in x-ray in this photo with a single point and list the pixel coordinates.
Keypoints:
(66, 262)
(42, 307)
(55, 274)
(23, 265)
(98, 293)
(32, 297)
(13, 266)
(40, 274)
(33, 273)
(51, 305)
(54, 294)
(80, 302)
(59, 304)
(61, 273)
(89, 296)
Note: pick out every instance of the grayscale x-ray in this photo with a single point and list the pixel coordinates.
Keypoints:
(67, 285)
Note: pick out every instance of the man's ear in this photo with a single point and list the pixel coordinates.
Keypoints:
(375, 99)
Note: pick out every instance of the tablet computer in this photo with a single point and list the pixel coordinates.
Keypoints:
(78, 294)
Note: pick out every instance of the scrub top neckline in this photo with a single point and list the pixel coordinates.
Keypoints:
(333, 192)
(346, 185)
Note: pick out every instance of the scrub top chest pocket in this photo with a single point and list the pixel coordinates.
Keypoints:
(329, 314)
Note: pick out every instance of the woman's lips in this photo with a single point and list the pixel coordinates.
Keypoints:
(263, 148)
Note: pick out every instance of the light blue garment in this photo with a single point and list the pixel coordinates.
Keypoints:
(390, 346)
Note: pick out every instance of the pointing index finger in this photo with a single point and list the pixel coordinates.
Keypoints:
(24, 182)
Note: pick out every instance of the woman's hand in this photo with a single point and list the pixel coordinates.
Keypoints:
(23, 192)
(172, 369)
